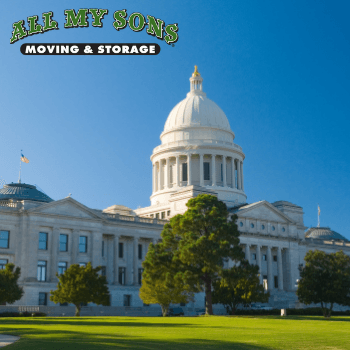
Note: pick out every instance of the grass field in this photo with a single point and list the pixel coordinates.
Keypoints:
(240, 332)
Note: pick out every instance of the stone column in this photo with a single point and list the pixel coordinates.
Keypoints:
(158, 176)
(269, 269)
(178, 171)
(189, 170)
(95, 249)
(154, 178)
(242, 185)
(115, 259)
(54, 252)
(135, 262)
(224, 170)
(247, 252)
(201, 170)
(213, 169)
(75, 246)
(161, 174)
(258, 259)
(238, 174)
(280, 268)
(233, 172)
(167, 173)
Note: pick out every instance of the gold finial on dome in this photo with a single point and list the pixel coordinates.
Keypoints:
(195, 73)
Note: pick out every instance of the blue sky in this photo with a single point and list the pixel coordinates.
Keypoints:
(88, 124)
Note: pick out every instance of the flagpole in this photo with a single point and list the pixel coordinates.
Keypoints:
(20, 168)
(318, 215)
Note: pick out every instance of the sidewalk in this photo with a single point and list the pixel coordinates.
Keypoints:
(7, 339)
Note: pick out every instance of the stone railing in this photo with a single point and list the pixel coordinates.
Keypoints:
(135, 219)
(337, 243)
(198, 143)
(9, 204)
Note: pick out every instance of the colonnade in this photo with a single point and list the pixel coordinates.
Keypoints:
(161, 170)
(110, 259)
(269, 259)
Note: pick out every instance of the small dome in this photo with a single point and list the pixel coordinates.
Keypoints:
(323, 233)
(19, 191)
(196, 110)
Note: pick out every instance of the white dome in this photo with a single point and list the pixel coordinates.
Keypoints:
(196, 110)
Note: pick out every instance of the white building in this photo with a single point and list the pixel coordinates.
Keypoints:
(197, 155)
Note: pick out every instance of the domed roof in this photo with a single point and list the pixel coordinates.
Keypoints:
(21, 191)
(323, 233)
(196, 110)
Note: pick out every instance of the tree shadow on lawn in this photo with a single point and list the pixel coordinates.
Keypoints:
(32, 339)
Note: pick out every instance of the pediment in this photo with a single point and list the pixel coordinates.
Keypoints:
(263, 211)
(66, 207)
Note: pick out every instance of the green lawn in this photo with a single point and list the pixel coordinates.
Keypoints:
(240, 332)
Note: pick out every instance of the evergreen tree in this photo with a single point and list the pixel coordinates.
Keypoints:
(325, 279)
(159, 283)
(200, 240)
(239, 285)
(80, 285)
(9, 289)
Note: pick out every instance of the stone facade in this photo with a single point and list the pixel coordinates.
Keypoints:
(197, 156)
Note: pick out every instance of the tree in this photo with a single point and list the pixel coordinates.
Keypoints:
(9, 289)
(325, 279)
(200, 240)
(79, 285)
(159, 293)
(239, 285)
(158, 283)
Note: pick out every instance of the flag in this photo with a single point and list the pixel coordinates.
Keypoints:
(319, 210)
(24, 159)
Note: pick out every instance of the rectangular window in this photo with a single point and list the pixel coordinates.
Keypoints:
(127, 300)
(42, 298)
(163, 214)
(254, 256)
(275, 258)
(140, 276)
(206, 171)
(103, 248)
(121, 250)
(121, 276)
(82, 244)
(63, 243)
(103, 271)
(62, 267)
(276, 281)
(265, 282)
(168, 213)
(264, 257)
(3, 263)
(140, 251)
(41, 271)
(4, 239)
(184, 171)
(42, 240)
(151, 216)
(171, 174)
(157, 216)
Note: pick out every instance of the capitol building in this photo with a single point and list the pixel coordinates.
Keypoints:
(197, 155)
